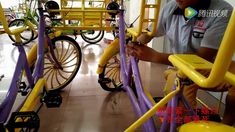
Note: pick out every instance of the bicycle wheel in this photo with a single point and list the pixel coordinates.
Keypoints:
(92, 36)
(110, 79)
(68, 53)
(26, 36)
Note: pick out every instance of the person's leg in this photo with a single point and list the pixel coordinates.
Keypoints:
(229, 113)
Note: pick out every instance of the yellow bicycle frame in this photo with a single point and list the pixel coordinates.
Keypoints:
(32, 54)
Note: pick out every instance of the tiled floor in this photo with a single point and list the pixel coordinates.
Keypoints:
(86, 106)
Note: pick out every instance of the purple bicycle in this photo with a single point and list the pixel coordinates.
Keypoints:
(62, 53)
(119, 72)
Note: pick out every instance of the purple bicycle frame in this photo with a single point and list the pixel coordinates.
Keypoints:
(7, 104)
(126, 73)
(22, 64)
(143, 104)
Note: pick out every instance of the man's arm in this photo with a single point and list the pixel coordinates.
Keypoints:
(207, 53)
(214, 35)
(146, 53)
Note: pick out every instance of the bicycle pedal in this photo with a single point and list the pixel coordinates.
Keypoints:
(28, 120)
(52, 99)
(22, 85)
(23, 88)
(104, 80)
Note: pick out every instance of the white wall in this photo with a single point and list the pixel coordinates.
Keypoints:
(232, 2)
(134, 10)
(9, 3)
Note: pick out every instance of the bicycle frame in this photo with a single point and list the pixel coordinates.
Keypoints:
(187, 64)
(144, 102)
(126, 73)
(6, 106)
(36, 80)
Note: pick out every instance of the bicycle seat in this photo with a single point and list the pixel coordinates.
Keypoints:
(193, 61)
(11, 31)
(190, 64)
(206, 126)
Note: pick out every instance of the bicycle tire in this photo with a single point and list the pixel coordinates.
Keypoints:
(110, 79)
(69, 55)
(92, 39)
(108, 82)
(25, 39)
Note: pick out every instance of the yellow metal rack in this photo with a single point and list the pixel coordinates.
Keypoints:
(91, 14)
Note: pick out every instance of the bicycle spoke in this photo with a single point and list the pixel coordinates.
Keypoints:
(48, 67)
(70, 60)
(68, 54)
(57, 78)
(65, 53)
(70, 66)
(62, 50)
(62, 75)
(67, 71)
(53, 73)
(57, 53)
(64, 59)
(45, 73)
(47, 77)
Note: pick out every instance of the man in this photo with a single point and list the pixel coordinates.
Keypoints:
(199, 35)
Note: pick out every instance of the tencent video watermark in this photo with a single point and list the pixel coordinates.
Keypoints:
(190, 13)
(213, 13)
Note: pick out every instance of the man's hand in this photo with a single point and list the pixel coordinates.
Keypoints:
(142, 52)
(145, 53)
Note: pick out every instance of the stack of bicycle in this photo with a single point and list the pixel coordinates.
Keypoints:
(119, 72)
(49, 66)
(52, 63)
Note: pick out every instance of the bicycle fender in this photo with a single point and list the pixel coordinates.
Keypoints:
(109, 52)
